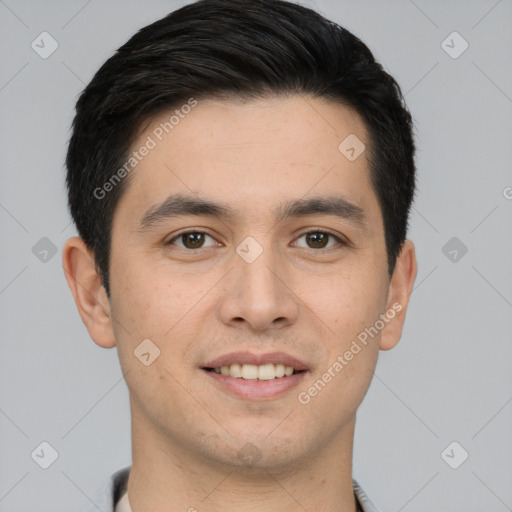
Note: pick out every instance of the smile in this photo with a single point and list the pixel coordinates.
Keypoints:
(255, 372)
(254, 388)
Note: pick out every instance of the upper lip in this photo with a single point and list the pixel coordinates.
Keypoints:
(245, 357)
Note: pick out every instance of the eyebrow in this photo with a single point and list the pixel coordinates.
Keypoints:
(180, 205)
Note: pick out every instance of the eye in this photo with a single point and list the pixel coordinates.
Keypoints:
(191, 240)
(320, 240)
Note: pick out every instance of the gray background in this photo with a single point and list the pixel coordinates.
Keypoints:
(449, 378)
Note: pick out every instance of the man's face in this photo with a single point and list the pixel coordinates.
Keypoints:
(254, 282)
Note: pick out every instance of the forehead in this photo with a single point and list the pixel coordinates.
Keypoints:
(253, 153)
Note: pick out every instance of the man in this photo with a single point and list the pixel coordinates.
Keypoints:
(241, 174)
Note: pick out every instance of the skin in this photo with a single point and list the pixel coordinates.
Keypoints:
(197, 304)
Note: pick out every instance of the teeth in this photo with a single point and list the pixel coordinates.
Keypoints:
(280, 370)
(249, 371)
(235, 370)
(254, 372)
(267, 372)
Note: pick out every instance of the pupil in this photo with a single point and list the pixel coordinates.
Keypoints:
(193, 240)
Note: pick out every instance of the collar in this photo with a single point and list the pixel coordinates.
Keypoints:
(113, 490)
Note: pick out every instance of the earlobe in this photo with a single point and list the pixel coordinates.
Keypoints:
(400, 289)
(88, 291)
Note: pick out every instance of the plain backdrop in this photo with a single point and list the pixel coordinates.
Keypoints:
(449, 379)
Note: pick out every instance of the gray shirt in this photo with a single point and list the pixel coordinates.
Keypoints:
(115, 487)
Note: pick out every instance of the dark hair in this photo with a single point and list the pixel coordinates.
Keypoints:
(233, 48)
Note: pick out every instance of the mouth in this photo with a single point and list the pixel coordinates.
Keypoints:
(256, 377)
(264, 372)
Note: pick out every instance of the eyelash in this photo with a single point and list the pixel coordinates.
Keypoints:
(315, 231)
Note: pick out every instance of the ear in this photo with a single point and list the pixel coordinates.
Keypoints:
(89, 294)
(400, 289)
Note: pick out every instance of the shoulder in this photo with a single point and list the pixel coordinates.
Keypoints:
(365, 502)
(111, 491)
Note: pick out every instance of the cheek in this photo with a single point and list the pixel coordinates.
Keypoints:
(154, 315)
(151, 343)
(147, 303)
(351, 300)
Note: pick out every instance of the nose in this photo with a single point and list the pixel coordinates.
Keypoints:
(259, 294)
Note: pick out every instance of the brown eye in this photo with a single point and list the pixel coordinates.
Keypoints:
(319, 240)
(193, 240)
(190, 240)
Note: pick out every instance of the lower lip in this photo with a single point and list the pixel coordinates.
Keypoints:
(257, 389)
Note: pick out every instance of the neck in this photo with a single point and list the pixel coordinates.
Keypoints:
(168, 477)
